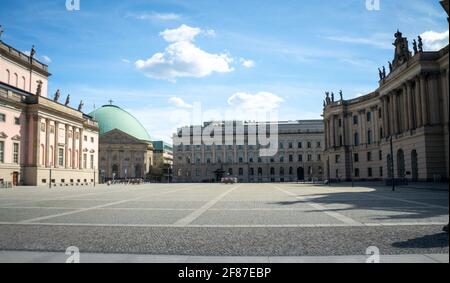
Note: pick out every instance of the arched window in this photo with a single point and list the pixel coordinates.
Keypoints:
(8, 77)
(260, 171)
(23, 83)
(16, 80)
(282, 171)
(241, 171)
(291, 171)
(401, 172)
(252, 171)
(272, 171)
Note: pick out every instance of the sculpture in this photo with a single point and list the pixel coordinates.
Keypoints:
(80, 107)
(384, 72)
(327, 97)
(390, 67)
(415, 47)
(67, 100)
(57, 96)
(32, 52)
(380, 74)
(1, 30)
(39, 88)
(332, 96)
(402, 53)
(341, 95)
(420, 44)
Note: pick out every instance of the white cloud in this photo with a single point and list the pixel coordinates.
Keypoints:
(434, 41)
(247, 63)
(260, 102)
(182, 58)
(183, 33)
(126, 61)
(378, 40)
(155, 16)
(178, 102)
(46, 59)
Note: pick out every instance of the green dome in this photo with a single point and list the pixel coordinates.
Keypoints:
(110, 117)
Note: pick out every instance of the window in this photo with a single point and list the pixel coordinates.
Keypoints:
(369, 137)
(357, 172)
(17, 121)
(291, 145)
(319, 145)
(309, 145)
(356, 139)
(355, 120)
(2, 117)
(340, 123)
(381, 171)
(2, 151)
(43, 127)
(309, 157)
(369, 172)
(337, 158)
(85, 138)
(300, 158)
(319, 157)
(52, 129)
(281, 159)
(84, 160)
(92, 161)
(241, 172)
(369, 116)
(281, 145)
(61, 157)
(92, 139)
(356, 157)
(16, 153)
(380, 155)
(369, 156)
(341, 141)
(291, 158)
(300, 145)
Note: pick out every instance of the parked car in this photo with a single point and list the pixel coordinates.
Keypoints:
(229, 180)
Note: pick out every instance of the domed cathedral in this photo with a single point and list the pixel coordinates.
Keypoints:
(125, 147)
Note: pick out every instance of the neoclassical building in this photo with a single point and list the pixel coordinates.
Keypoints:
(298, 156)
(126, 149)
(42, 142)
(409, 108)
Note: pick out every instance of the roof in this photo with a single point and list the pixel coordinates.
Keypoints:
(111, 117)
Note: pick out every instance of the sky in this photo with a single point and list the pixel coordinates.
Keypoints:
(166, 61)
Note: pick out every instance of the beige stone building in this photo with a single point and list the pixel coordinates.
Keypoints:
(298, 157)
(410, 107)
(42, 141)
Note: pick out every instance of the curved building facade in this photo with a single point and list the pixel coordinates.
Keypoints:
(410, 108)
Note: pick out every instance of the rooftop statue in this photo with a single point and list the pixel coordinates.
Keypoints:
(67, 100)
(415, 47)
(402, 53)
(57, 96)
(420, 44)
(80, 107)
(1, 31)
(341, 94)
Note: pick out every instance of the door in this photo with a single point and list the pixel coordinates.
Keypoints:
(15, 179)
(301, 174)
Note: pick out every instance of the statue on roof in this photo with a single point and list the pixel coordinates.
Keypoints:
(57, 96)
(415, 47)
(328, 100)
(420, 44)
(384, 72)
(80, 107)
(341, 94)
(1, 31)
(402, 53)
(32, 52)
(67, 100)
(380, 73)
(332, 96)
(39, 88)
(390, 67)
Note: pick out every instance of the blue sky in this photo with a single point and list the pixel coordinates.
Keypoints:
(246, 54)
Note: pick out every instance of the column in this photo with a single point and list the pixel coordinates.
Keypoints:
(333, 141)
(408, 107)
(434, 107)
(423, 98)
(47, 143)
(74, 148)
(37, 140)
(395, 113)
(385, 117)
(418, 104)
(56, 146)
(67, 158)
(80, 150)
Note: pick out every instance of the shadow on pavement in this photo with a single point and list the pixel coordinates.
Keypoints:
(429, 241)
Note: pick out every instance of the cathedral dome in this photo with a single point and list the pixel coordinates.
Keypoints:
(110, 117)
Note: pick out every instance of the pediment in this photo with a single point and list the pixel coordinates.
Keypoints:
(118, 137)
(16, 138)
(3, 135)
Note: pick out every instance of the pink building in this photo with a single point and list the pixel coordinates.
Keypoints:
(41, 140)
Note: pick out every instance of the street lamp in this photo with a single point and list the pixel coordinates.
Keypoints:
(392, 165)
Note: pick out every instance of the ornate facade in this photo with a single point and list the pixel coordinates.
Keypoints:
(298, 157)
(410, 108)
(42, 142)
